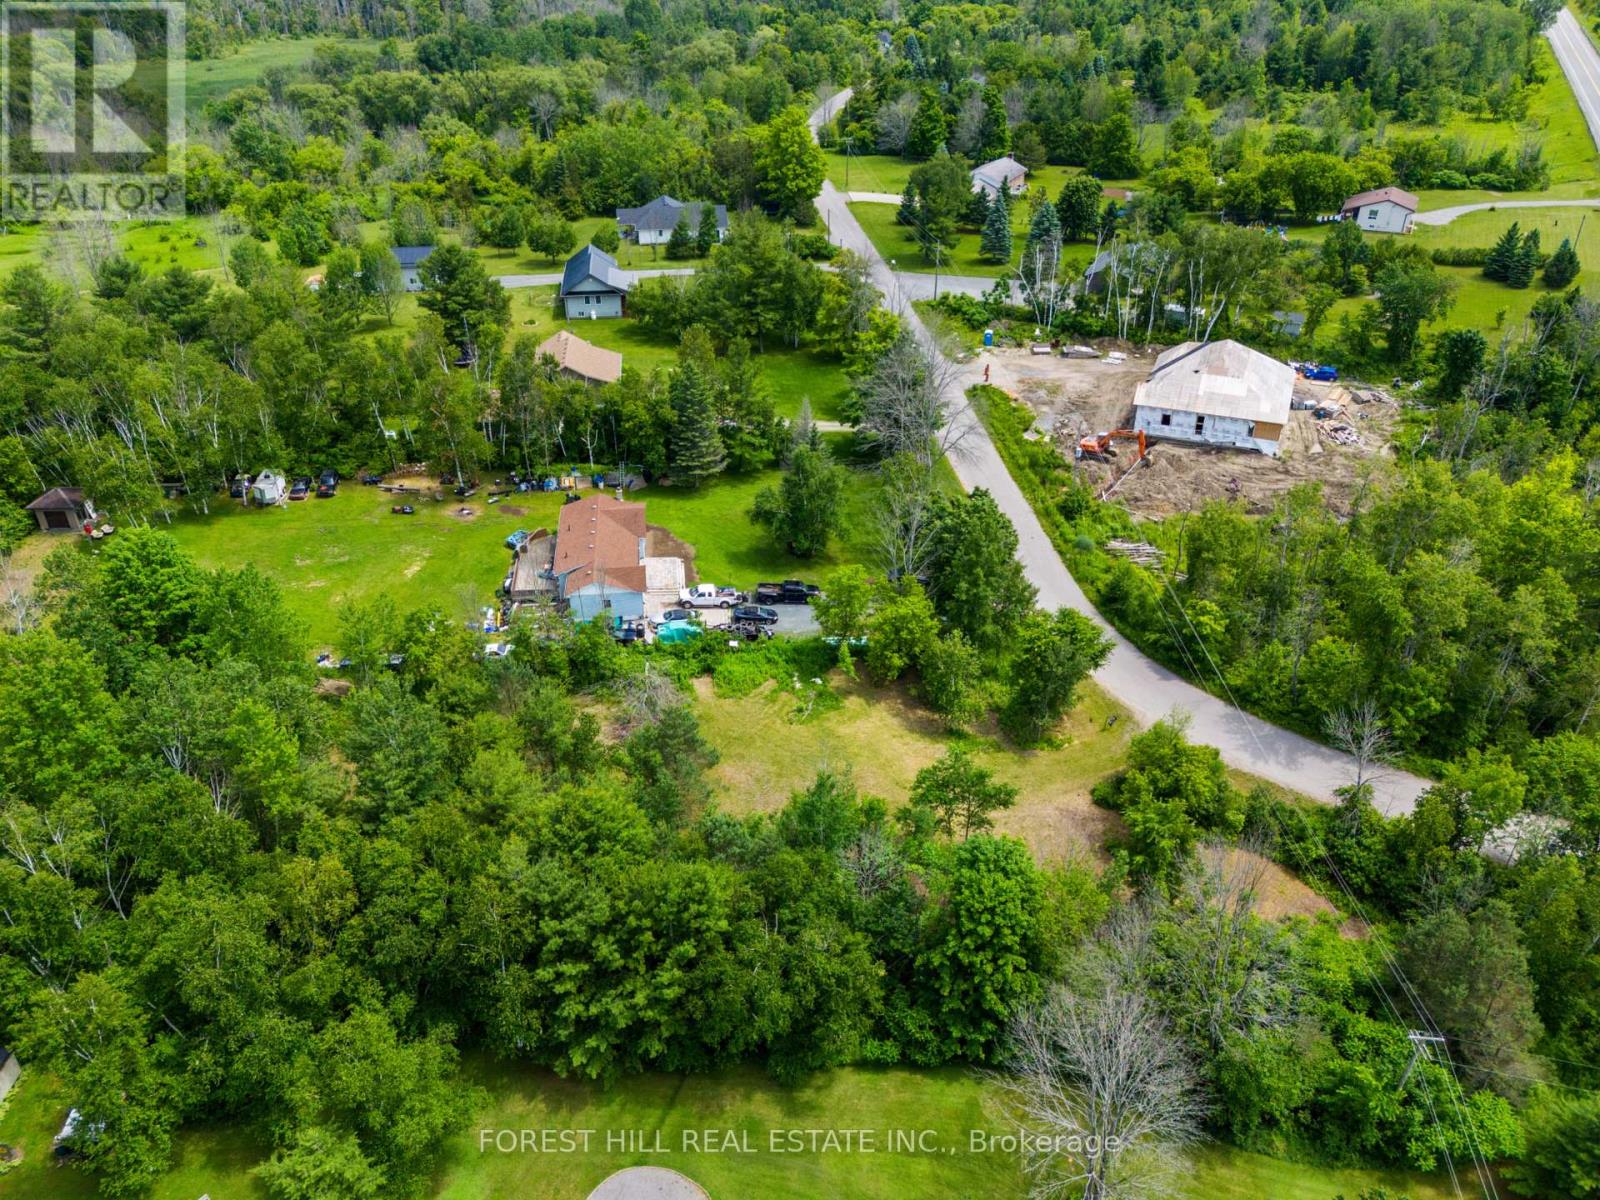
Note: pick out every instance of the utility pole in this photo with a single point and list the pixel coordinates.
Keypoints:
(847, 141)
(1420, 1043)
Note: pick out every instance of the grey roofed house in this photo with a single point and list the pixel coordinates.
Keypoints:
(999, 173)
(410, 258)
(652, 224)
(592, 285)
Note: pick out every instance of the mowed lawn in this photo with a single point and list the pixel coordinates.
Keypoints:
(896, 243)
(736, 1132)
(351, 548)
(1479, 301)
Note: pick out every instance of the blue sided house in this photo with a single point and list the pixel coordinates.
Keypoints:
(599, 562)
(592, 285)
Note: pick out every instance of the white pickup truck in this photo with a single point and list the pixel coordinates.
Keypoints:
(709, 595)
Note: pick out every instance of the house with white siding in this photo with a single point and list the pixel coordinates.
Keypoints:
(1384, 210)
(1216, 394)
(652, 224)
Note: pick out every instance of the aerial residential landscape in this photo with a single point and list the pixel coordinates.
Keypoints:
(680, 601)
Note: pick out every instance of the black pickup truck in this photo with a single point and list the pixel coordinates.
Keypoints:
(790, 591)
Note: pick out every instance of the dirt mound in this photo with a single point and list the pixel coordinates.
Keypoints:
(659, 543)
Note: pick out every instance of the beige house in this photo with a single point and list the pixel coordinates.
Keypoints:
(1216, 394)
(62, 510)
(583, 360)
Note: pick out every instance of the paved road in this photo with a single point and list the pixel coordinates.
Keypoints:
(1144, 686)
(1443, 216)
(1580, 62)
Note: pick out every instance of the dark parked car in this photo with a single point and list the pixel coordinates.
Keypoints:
(370, 478)
(240, 487)
(677, 614)
(755, 613)
(790, 591)
(327, 484)
(301, 489)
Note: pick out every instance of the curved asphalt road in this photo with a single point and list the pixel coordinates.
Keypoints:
(1143, 685)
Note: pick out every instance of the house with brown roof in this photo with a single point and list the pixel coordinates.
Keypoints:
(1382, 210)
(583, 360)
(599, 561)
(62, 510)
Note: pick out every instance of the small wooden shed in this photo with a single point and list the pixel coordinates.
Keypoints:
(62, 510)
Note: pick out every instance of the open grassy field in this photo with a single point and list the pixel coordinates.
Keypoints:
(211, 78)
(325, 553)
(687, 1116)
(1478, 301)
(884, 738)
(896, 244)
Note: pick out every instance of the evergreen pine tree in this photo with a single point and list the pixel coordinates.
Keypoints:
(697, 452)
(1044, 231)
(1563, 266)
(705, 233)
(907, 215)
(1497, 265)
(1524, 262)
(995, 244)
(681, 243)
(929, 127)
(994, 133)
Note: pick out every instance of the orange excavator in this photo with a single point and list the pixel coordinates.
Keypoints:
(1099, 445)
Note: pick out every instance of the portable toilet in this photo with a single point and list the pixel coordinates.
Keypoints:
(988, 337)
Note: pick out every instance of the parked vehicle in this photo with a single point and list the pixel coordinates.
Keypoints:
(790, 591)
(370, 478)
(327, 484)
(497, 649)
(750, 631)
(515, 541)
(677, 614)
(629, 631)
(756, 613)
(240, 487)
(709, 595)
(301, 488)
(1318, 373)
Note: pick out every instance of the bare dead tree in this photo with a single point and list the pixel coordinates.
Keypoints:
(1359, 731)
(905, 402)
(1228, 971)
(1105, 1093)
(904, 516)
(20, 602)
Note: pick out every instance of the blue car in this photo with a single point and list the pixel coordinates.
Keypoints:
(514, 541)
(1320, 374)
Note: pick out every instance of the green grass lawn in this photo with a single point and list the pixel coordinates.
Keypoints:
(242, 67)
(895, 242)
(703, 1124)
(1478, 301)
(325, 553)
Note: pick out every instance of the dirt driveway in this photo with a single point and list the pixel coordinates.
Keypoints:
(1074, 397)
